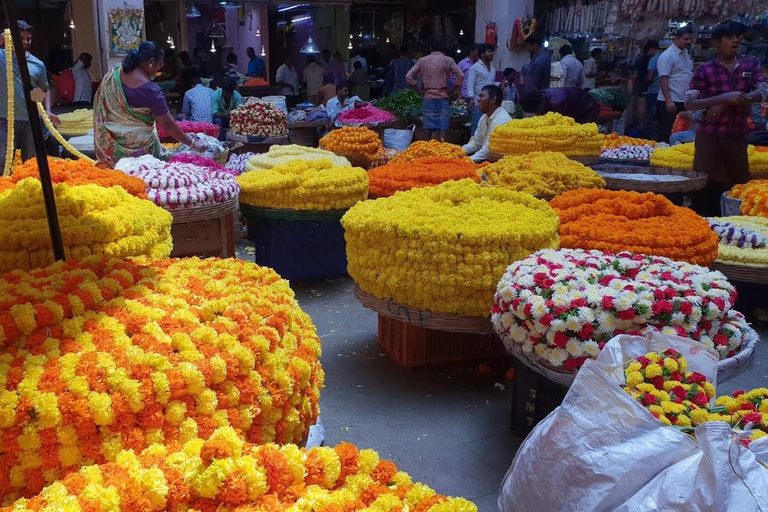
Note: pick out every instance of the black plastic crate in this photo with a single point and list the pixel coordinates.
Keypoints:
(533, 398)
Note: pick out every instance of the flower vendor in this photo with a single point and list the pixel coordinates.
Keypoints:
(489, 103)
(225, 100)
(572, 102)
(198, 101)
(20, 117)
(537, 71)
(255, 64)
(128, 105)
(725, 87)
(342, 102)
(436, 70)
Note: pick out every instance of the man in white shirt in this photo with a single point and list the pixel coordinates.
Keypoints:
(573, 70)
(288, 81)
(481, 73)
(313, 78)
(83, 85)
(357, 57)
(489, 103)
(590, 69)
(675, 69)
(341, 102)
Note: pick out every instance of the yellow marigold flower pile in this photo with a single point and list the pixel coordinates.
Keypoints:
(279, 154)
(743, 239)
(105, 354)
(78, 122)
(430, 148)
(550, 132)
(542, 174)
(614, 140)
(223, 473)
(758, 160)
(660, 382)
(674, 157)
(94, 221)
(351, 140)
(444, 248)
(304, 185)
(617, 220)
(754, 197)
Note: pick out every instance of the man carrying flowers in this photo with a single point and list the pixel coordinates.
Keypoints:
(489, 103)
(725, 88)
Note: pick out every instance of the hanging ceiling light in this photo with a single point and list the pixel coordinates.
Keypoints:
(173, 44)
(213, 47)
(215, 31)
(169, 40)
(387, 40)
(360, 34)
(309, 47)
(192, 11)
(72, 24)
(349, 47)
(461, 32)
(263, 53)
(351, 36)
(458, 51)
(258, 32)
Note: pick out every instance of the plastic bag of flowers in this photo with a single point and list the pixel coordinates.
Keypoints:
(224, 473)
(639, 430)
(101, 355)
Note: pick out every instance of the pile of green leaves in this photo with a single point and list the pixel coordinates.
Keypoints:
(614, 97)
(405, 104)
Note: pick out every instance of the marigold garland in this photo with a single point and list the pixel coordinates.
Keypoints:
(79, 122)
(223, 473)
(613, 221)
(614, 140)
(351, 140)
(78, 172)
(423, 172)
(754, 197)
(304, 185)
(279, 154)
(681, 157)
(102, 355)
(444, 248)
(564, 305)
(430, 148)
(94, 221)
(10, 142)
(747, 236)
(550, 132)
(542, 174)
(59, 138)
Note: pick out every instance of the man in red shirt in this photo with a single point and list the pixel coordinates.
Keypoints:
(725, 88)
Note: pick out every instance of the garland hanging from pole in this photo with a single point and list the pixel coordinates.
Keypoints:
(522, 29)
(10, 145)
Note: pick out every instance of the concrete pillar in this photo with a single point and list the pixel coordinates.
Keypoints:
(504, 13)
(85, 36)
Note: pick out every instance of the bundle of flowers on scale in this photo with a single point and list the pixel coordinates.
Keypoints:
(101, 355)
(279, 154)
(564, 305)
(180, 185)
(550, 132)
(743, 239)
(224, 473)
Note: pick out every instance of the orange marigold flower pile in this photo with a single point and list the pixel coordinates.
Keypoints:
(352, 140)
(423, 172)
(223, 473)
(614, 140)
(77, 172)
(431, 148)
(102, 355)
(754, 197)
(615, 221)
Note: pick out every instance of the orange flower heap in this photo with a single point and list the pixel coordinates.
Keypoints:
(614, 140)
(615, 221)
(76, 172)
(223, 473)
(434, 148)
(352, 140)
(423, 172)
(754, 197)
(108, 354)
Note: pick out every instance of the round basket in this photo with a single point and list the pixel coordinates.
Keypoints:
(286, 214)
(729, 206)
(745, 273)
(694, 180)
(727, 369)
(207, 212)
(357, 160)
(422, 318)
(624, 161)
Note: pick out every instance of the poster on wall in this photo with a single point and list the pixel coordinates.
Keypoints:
(125, 30)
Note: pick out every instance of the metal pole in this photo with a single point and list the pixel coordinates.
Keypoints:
(37, 132)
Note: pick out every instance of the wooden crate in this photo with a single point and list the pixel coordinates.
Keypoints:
(204, 238)
(412, 346)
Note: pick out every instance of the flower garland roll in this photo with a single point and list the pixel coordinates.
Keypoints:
(279, 154)
(444, 248)
(103, 355)
(423, 172)
(550, 132)
(430, 148)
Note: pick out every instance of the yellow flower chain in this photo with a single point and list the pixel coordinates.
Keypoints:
(59, 137)
(444, 248)
(10, 144)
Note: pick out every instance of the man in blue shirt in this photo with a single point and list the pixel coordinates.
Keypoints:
(198, 101)
(38, 75)
(537, 71)
(255, 64)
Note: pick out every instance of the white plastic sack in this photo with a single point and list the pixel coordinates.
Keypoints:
(398, 139)
(602, 451)
(277, 101)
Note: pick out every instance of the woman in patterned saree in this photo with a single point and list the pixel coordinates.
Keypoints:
(127, 106)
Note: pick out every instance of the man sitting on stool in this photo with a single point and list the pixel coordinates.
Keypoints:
(489, 103)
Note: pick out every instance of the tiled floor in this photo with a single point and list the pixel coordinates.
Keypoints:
(446, 426)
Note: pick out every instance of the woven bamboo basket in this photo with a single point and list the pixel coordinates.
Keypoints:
(423, 318)
(584, 159)
(726, 368)
(694, 180)
(756, 274)
(207, 212)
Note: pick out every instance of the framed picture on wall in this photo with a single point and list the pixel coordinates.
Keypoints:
(126, 27)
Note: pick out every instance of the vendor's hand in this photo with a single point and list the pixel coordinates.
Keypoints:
(671, 107)
(714, 113)
(54, 119)
(736, 98)
(197, 146)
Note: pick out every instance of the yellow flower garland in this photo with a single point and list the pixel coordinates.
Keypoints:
(279, 154)
(542, 174)
(10, 141)
(304, 185)
(106, 354)
(681, 157)
(550, 132)
(94, 220)
(744, 255)
(79, 122)
(59, 137)
(444, 248)
(223, 473)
